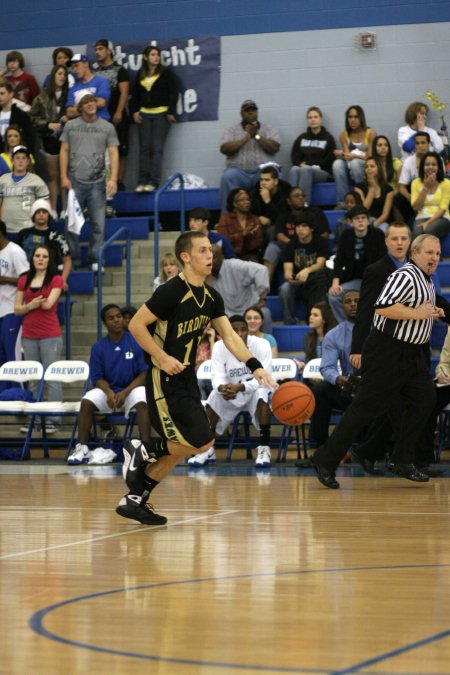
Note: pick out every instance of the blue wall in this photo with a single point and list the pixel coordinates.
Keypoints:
(41, 23)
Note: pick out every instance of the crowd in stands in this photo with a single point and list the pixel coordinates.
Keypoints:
(268, 237)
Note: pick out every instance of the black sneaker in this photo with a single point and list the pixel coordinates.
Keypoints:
(135, 459)
(131, 506)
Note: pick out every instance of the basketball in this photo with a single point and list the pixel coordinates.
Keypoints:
(293, 403)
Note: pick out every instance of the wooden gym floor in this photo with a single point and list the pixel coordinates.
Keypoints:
(255, 572)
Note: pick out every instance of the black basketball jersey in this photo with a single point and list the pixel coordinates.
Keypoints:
(183, 312)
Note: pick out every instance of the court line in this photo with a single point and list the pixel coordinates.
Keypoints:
(36, 623)
(111, 536)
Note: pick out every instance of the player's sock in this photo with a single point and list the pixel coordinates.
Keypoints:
(156, 447)
(264, 434)
(150, 484)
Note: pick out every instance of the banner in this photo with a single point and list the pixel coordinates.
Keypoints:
(194, 61)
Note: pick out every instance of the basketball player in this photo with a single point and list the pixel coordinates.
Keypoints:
(169, 327)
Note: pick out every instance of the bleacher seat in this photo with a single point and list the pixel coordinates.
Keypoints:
(333, 217)
(323, 194)
(438, 334)
(132, 202)
(443, 272)
(290, 338)
(81, 282)
(273, 302)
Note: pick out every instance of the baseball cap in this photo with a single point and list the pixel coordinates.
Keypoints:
(357, 211)
(40, 204)
(103, 42)
(248, 103)
(304, 219)
(78, 58)
(20, 148)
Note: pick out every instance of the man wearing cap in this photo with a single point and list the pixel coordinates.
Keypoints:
(18, 190)
(246, 146)
(87, 83)
(42, 232)
(84, 142)
(359, 246)
(12, 114)
(304, 269)
(119, 82)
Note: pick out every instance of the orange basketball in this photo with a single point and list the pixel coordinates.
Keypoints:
(293, 403)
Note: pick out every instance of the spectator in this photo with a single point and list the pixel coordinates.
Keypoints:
(416, 118)
(168, 268)
(285, 227)
(392, 166)
(241, 227)
(199, 220)
(246, 146)
(61, 57)
(254, 319)
(235, 390)
(304, 270)
(118, 372)
(127, 314)
(24, 84)
(321, 320)
(153, 105)
(351, 200)
(87, 83)
(333, 393)
(312, 154)
(269, 200)
(13, 263)
(43, 232)
(430, 196)
(18, 190)
(84, 142)
(360, 246)
(356, 142)
(377, 195)
(13, 138)
(10, 114)
(204, 351)
(119, 82)
(48, 118)
(410, 171)
(241, 284)
(37, 297)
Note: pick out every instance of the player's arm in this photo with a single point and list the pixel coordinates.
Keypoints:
(237, 347)
(138, 328)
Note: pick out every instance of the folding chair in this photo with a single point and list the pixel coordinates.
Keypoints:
(20, 372)
(65, 372)
(204, 373)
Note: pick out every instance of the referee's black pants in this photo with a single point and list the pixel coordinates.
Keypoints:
(395, 382)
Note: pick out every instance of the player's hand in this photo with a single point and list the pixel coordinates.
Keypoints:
(120, 398)
(355, 360)
(170, 365)
(111, 399)
(264, 378)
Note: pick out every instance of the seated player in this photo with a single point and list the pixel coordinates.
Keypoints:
(118, 372)
(235, 390)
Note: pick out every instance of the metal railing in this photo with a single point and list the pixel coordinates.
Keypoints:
(156, 224)
(102, 249)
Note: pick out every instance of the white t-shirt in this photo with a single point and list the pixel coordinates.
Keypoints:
(13, 263)
(4, 122)
(409, 170)
(227, 369)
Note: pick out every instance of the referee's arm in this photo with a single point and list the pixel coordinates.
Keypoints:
(403, 313)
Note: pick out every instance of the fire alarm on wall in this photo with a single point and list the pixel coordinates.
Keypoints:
(364, 41)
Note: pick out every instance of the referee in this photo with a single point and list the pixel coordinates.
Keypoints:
(395, 378)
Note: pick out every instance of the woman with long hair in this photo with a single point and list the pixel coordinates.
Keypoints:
(392, 166)
(312, 154)
(38, 292)
(430, 196)
(254, 319)
(47, 116)
(377, 196)
(13, 137)
(356, 142)
(241, 226)
(153, 105)
(321, 320)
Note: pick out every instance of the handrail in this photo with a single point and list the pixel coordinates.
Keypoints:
(67, 321)
(158, 193)
(113, 237)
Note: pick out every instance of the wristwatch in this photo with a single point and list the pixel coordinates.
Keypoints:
(257, 137)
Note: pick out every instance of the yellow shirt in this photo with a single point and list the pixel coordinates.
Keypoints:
(433, 202)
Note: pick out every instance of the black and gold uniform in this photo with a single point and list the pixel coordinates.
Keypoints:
(183, 312)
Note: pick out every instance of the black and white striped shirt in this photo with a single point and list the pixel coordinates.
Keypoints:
(408, 286)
